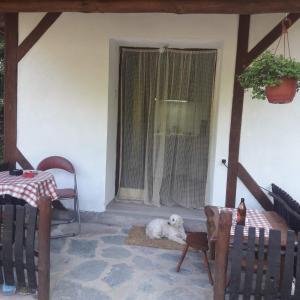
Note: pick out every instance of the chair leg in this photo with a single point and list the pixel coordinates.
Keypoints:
(76, 218)
(206, 264)
(185, 250)
(78, 215)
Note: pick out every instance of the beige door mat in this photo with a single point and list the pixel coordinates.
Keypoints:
(137, 236)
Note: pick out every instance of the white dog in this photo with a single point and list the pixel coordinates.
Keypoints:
(171, 229)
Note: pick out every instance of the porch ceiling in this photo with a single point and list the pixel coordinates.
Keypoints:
(149, 6)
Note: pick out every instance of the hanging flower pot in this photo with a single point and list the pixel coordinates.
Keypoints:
(282, 93)
(272, 76)
(276, 77)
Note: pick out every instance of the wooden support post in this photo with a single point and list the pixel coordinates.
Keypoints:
(254, 188)
(10, 88)
(22, 161)
(44, 206)
(270, 38)
(237, 110)
(2, 24)
(36, 34)
(222, 250)
(14, 53)
(243, 59)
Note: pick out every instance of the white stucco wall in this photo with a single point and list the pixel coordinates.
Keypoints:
(270, 138)
(68, 90)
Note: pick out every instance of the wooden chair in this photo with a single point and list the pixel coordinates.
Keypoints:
(258, 278)
(198, 241)
(276, 282)
(58, 162)
(20, 226)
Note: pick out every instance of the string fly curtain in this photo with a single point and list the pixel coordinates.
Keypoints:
(165, 112)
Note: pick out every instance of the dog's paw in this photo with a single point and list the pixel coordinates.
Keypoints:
(181, 236)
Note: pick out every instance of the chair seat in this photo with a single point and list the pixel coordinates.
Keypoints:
(65, 193)
(197, 240)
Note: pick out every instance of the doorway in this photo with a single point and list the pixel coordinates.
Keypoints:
(165, 98)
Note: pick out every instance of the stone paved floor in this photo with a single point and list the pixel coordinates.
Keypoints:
(98, 266)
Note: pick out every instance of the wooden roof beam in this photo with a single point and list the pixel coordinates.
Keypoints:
(151, 6)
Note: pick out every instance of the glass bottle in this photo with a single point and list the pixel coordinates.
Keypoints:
(241, 213)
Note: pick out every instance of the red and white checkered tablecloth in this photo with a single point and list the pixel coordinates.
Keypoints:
(254, 218)
(28, 189)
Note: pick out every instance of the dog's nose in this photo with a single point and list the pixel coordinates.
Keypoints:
(169, 223)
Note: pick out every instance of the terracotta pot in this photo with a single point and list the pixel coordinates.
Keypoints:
(283, 93)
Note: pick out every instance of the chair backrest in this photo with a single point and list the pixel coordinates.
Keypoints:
(259, 267)
(211, 215)
(20, 225)
(56, 162)
(286, 207)
(212, 218)
(17, 236)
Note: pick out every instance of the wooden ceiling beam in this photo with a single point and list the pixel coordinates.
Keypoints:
(151, 6)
